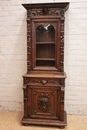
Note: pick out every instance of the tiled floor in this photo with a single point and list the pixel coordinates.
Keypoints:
(11, 121)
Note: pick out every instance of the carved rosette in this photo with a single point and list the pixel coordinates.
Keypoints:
(44, 103)
(28, 46)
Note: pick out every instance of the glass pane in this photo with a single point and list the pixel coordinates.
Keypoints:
(45, 51)
(45, 33)
(45, 45)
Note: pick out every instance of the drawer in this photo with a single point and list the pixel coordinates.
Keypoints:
(44, 81)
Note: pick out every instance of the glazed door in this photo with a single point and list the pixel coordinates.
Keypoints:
(45, 44)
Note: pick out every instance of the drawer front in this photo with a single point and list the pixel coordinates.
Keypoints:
(44, 81)
(44, 103)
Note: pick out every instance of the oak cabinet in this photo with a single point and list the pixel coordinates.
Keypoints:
(44, 82)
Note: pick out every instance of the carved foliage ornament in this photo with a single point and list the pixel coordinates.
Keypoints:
(46, 11)
(44, 102)
(28, 46)
(45, 81)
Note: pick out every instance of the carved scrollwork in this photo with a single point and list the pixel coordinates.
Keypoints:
(53, 81)
(44, 103)
(28, 42)
(46, 11)
(29, 37)
(62, 37)
(25, 82)
(24, 87)
(37, 12)
(62, 94)
(28, 13)
(61, 63)
(36, 81)
(25, 99)
(28, 65)
(62, 12)
(62, 81)
(45, 81)
(53, 12)
(62, 46)
(62, 104)
(29, 49)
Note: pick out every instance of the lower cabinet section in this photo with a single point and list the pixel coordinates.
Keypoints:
(44, 102)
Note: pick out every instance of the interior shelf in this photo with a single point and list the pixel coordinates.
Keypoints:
(48, 59)
(45, 42)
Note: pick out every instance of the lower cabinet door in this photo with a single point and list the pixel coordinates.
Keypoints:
(43, 102)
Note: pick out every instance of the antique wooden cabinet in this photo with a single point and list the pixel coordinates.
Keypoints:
(44, 82)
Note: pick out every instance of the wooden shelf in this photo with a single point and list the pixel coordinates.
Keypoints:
(45, 68)
(45, 42)
(47, 59)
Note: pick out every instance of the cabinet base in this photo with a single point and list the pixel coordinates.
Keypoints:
(45, 122)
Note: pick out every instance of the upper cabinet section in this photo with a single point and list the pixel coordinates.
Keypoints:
(45, 36)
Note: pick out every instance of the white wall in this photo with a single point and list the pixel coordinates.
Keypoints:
(13, 54)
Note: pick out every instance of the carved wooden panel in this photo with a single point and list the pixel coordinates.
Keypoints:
(45, 11)
(44, 81)
(43, 101)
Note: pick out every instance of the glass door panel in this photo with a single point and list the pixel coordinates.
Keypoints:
(45, 45)
(45, 33)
